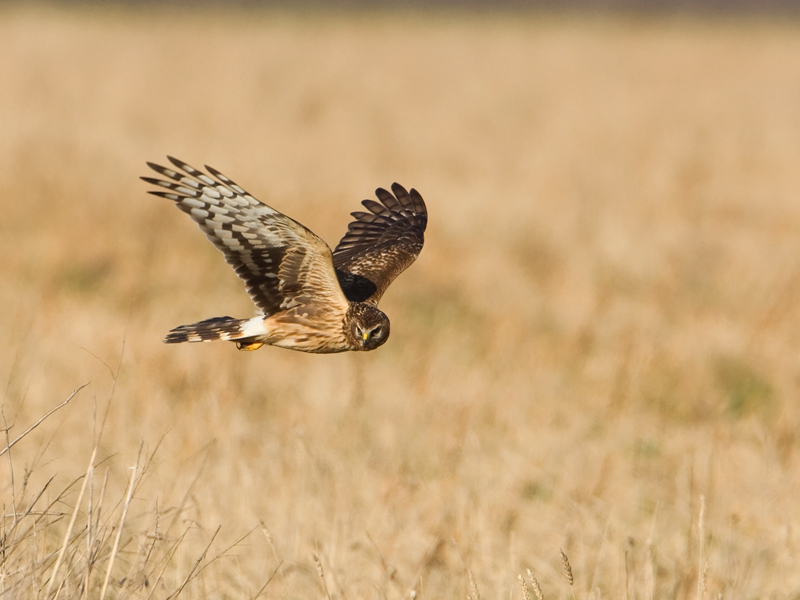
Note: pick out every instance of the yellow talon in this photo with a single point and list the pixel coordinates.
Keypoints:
(249, 347)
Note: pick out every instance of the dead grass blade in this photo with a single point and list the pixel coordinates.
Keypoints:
(190, 576)
(42, 419)
(269, 579)
(70, 526)
(166, 560)
(119, 530)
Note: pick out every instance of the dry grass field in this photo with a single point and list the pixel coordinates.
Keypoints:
(599, 342)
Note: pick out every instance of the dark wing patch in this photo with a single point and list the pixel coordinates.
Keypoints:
(380, 244)
(255, 238)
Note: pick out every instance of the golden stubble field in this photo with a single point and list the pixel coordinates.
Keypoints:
(599, 342)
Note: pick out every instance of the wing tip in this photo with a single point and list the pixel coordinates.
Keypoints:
(177, 162)
(221, 176)
(398, 189)
(407, 199)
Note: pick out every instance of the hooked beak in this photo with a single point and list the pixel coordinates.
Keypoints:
(365, 335)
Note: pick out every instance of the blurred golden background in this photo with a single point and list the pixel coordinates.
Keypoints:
(597, 350)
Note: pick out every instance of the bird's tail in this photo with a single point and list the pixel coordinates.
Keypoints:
(243, 331)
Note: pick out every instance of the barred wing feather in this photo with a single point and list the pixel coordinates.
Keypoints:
(380, 244)
(283, 264)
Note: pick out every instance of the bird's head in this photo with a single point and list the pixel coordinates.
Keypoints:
(366, 326)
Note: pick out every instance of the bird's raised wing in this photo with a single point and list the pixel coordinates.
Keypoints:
(284, 265)
(380, 244)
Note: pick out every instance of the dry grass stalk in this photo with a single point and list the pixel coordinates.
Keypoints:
(650, 568)
(321, 574)
(166, 562)
(524, 587)
(271, 543)
(649, 574)
(71, 525)
(115, 547)
(568, 572)
(42, 419)
(627, 578)
(89, 529)
(535, 583)
(269, 580)
(9, 544)
(704, 581)
(702, 564)
(473, 586)
(567, 567)
(196, 564)
(66, 570)
(10, 467)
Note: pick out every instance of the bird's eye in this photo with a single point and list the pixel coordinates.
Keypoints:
(358, 330)
(377, 330)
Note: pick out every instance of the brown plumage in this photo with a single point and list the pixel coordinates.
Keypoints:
(308, 298)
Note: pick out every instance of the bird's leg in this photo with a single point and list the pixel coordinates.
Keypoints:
(249, 346)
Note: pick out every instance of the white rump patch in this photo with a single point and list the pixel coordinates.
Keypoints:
(253, 327)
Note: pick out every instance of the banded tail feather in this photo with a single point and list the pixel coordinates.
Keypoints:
(242, 331)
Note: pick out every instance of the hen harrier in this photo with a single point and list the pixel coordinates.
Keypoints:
(308, 298)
